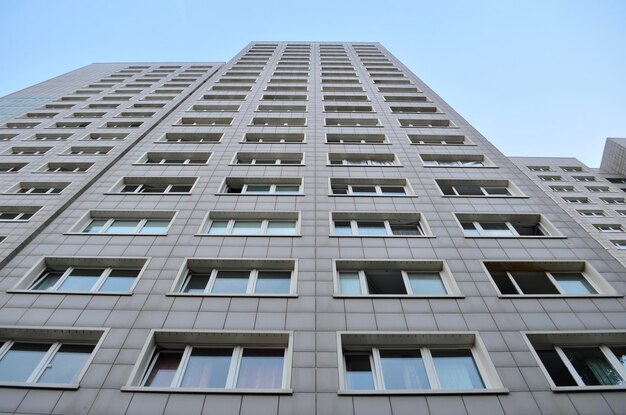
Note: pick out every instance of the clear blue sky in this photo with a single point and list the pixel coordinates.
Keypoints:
(536, 77)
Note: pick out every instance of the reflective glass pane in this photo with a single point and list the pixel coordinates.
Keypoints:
(349, 283)
(81, 279)
(21, 360)
(413, 229)
(218, 227)
(155, 226)
(66, 363)
(119, 280)
(393, 190)
(364, 190)
(163, 369)
(231, 282)
(343, 228)
(153, 188)
(358, 371)
(497, 191)
(273, 282)
(95, 226)
(207, 368)
(281, 227)
(573, 283)
(258, 188)
(592, 366)
(495, 229)
(123, 226)
(403, 369)
(426, 283)
(181, 188)
(288, 189)
(251, 227)
(48, 280)
(371, 228)
(620, 353)
(261, 369)
(456, 369)
(8, 216)
(469, 229)
(196, 283)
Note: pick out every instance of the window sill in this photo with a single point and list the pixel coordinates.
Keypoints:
(148, 194)
(602, 388)
(258, 194)
(383, 236)
(462, 167)
(208, 390)
(267, 165)
(71, 386)
(590, 296)
(331, 195)
(484, 197)
(184, 142)
(355, 165)
(354, 126)
(39, 292)
(360, 144)
(426, 392)
(169, 164)
(112, 234)
(400, 296)
(253, 142)
(517, 237)
(175, 294)
(276, 126)
(247, 236)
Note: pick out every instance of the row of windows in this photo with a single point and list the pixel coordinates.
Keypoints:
(352, 278)
(291, 122)
(74, 125)
(261, 362)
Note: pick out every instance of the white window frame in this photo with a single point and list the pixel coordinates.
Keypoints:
(377, 187)
(167, 190)
(554, 282)
(592, 213)
(137, 230)
(30, 190)
(481, 231)
(263, 231)
(609, 228)
(94, 289)
(483, 191)
(253, 275)
(389, 231)
(19, 216)
(450, 291)
(613, 201)
(576, 200)
(272, 190)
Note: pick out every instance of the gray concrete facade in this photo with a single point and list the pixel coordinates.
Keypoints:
(218, 125)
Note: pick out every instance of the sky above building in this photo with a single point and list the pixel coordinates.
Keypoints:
(536, 77)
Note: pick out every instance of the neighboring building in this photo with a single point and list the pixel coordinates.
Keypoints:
(306, 229)
(614, 156)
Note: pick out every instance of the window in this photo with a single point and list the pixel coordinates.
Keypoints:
(7, 137)
(592, 213)
(191, 138)
(273, 138)
(394, 278)
(284, 97)
(348, 108)
(576, 200)
(28, 151)
(609, 228)
(237, 277)
(66, 167)
(619, 244)
(613, 200)
(218, 97)
(55, 358)
(490, 225)
(39, 187)
(395, 362)
(405, 98)
(254, 362)
(481, 188)
(426, 123)
(584, 178)
(17, 213)
(547, 279)
(356, 139)
(378, 224)
(126, 222)
(346, 98)
(539, 168)
(369, 187)
(438, 140)
(87, 151)
(352, 122)
(278, 186)
(363, 159)
(70, 125)
(562, 188)
(269, 158)
(580, 360)
(155, 185)
(455, 160)
(281, 108)
(106, 136)
(598, 189)
(20, 125)
(175, 158)
(214, 108)
(122, 124)
(413, 110)
(50, 137)
(617, 180)
(197, 121)
(11, 167)
(252, 223)
(550, 178)
(571, 169)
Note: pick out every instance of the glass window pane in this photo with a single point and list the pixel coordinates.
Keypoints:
(251, 227)
(231, 282)
(349, 283)
(407, 229)
(534, 282)
(403, 369)
(81, 279)
(592, 366)
(288, 189)
(8, 216)
(456, 369)
(123, 226)
(196, 283)
(218, 227)
(620, 353)
(469, 229)
(130, 188)
(155, 226)
(181, 188)
(364, 190)
(343, 228)
(207, 368)
(273, 282)
(556, 368)
(372, 228)
(358, 371)
(573, 283)
(21, 360)
(393, 190)
(48, 280)
(258, 188)
(164, 368)
(497, 191)
(95, 226)
(426, 283)
(67, 362)
(153, 188)
(495, 229)
(119, 280)
(261, 369)
(281, 227)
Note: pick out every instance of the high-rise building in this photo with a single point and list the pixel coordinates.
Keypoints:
(306, 229)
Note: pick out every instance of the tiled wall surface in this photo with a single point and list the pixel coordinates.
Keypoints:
(315, 315)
